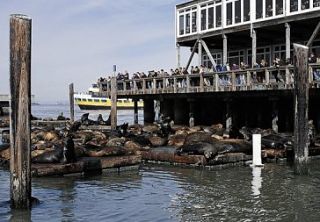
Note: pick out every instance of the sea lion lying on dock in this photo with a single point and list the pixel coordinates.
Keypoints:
(198, 148)
(53, 156)
(275, 141)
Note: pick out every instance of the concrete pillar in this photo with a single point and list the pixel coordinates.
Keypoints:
(228, 116)
(254, 47)
(275, 116)
(157, 110)
(180, 112)
(288, 42)
(225, 49)
(148, 110)
(178, 54)
(135, 116)
(199, 53)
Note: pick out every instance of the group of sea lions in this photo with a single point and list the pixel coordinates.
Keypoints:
(50, 145)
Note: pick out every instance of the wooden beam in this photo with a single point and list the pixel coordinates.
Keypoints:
(214, 65)
(225, 49)
(192, 54)
(136, 120)
(314, 35)
(301, 101)
(113, 103)
(20, 86)
(71, 98)
(199, 53)
(254, 47)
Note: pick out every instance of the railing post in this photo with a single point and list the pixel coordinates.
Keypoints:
(216, 82)
(144, 86)
(135, 88)
(201, 83)
(174, 84)
(154, 89)
(188, 83)
(20, 124)
(164, 87)
(267, 77)
(248, 80)
(233, 81)
(124, 87)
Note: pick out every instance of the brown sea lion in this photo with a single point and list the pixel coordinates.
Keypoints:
(108, 151)
(198, 137)
(177, 140)
(199, 148)
(116, 141)
(158, 141)
(150, 128)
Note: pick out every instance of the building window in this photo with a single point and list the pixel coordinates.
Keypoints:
(203, 19)
(279, 51)
(181, 24)
(210, 18)
(269, 8)
(279, 7)
(316, 3)
(216, 56)
(262, 53)
(237, 11)
(305, 4)
(188, 23)
(194, 21)
(218, 16)
(246, 10)
(258, 9)
(229, 14)
(235, 57)
(293, 5)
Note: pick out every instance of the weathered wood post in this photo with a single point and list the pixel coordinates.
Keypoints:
(113, 113)
(20, 126)
(71, 98)
(301, 102)
(136, 120)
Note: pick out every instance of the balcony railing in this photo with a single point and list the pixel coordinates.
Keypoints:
(270, 78)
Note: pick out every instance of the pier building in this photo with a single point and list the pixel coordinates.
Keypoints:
(244, 49)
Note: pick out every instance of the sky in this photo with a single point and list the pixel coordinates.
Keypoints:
(78, 41)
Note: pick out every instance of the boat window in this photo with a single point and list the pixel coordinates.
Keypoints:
(246, 10)
(237, 11)
(181, 24)
(218, 16)
(203, 19)
(210, 17)
(89, 100)
(84, 100)
(269, 8)
(103, 100)
(259, 9)
(316, 3)
(97, 100)
(293, 5)
(279, 7)
(229, 14)
(305, 4)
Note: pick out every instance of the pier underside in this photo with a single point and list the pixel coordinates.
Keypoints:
(261, 109)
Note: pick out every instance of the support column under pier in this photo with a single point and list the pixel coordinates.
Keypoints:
(148, 110)
(275, 115)
(192, 120)
(254, 47)
(181, 111)
(225, 49)
(228, 116)
(135, 115)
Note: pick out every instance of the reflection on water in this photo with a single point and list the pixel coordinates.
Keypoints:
(158, 193)
(256, 180)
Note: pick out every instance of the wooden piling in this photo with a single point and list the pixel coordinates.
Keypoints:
(71, 98)
(113, 103)
(301, 100)
(136, 120)
(20, 125)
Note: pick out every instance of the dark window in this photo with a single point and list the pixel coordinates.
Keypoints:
(89, 100)
(279, 7)
(203, 19)
(229, 14)
(316, 3)
(258, 9)
(237, 11)
(269, 8)
(96, 100)
(103, 100)
(181, 24)
(194, 21)
(246, 10)
(293, 5)
(210, 17)
(305, 4)
(218, 16)
(187, 23)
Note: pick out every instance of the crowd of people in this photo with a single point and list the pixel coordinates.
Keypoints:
(224, 79)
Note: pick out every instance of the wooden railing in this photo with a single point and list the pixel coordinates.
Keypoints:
(270, 78)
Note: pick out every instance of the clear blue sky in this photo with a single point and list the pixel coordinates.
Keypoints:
(79, 41)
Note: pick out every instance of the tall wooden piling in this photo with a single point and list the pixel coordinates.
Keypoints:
(113, 103)
(301, 101)
(136, 120)
(71, 98)
(20, 126)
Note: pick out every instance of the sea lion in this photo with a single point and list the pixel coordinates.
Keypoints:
(198, 137)
(177, 140)
(158, 141)
(116, 141)
(199, 148)
(275, 141)
(53, 156)
(150, 128)
(69, 155)
(108, 151)
(233, 146)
